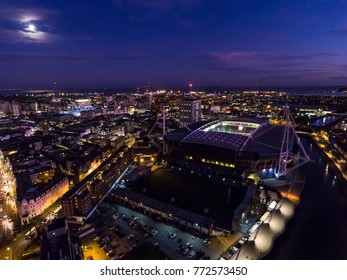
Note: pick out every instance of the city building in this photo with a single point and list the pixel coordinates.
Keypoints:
(36, 192)
(81, 199)
(59, 243)
(190, 111)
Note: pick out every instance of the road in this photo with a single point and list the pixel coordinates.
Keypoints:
(8, 209)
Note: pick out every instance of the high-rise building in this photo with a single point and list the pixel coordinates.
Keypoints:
(190, 111)
(16, 109)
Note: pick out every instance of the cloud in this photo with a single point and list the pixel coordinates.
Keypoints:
(269, 67)
(24, 15)
(40, 37)
(10, 57)
(261, 59)
(339, 32)
(185, 23)
(164, 5)
(263, 65)
(15, 26)
(177, 11)
(341, 77)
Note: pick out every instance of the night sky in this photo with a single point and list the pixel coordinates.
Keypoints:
(114, 43)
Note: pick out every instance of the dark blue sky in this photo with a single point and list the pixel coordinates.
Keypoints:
(173, 42)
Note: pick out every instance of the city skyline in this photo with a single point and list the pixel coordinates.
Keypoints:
(172, 43)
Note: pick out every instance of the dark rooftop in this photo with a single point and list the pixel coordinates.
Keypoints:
(26, 190)
(193, 195)
(165, 207)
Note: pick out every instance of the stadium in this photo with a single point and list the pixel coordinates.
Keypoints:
(242, 143)
(211, 182)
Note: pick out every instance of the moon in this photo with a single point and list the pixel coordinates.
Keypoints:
(31, 28)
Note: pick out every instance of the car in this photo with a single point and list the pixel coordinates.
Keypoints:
(232, 251)
(241, 241)
(172, 235)
(146, 235)
(131, 237)
(185, 251)
(154, 231)
(193, 236)
(245, 238)
(88, 248)
(191, 254)
(125, 217)
(110, 253)
(156, 244)
(179, 240)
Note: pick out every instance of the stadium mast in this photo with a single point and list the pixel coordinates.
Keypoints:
(286, 156)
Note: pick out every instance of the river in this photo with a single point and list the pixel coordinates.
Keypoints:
(319, 228)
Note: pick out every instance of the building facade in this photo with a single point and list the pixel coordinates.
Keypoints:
(81, 199)
(190, 111)
(38, 198)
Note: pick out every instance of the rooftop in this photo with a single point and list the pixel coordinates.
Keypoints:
(164, 187)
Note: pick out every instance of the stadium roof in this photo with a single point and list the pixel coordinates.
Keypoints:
(265, 139)
(201, 135)
(219, 139)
